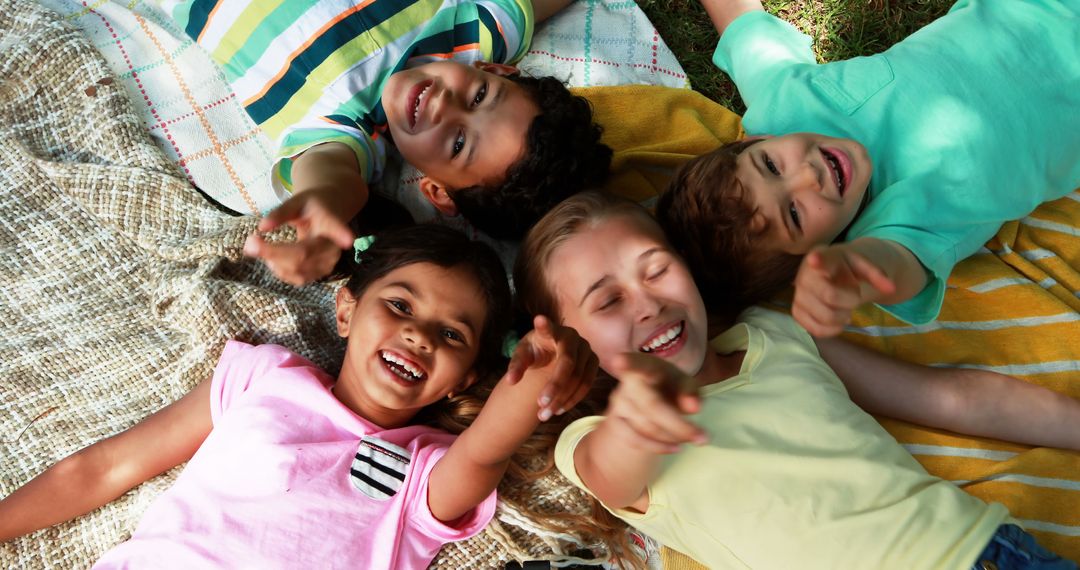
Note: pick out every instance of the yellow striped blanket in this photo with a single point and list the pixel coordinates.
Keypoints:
(1013, 308)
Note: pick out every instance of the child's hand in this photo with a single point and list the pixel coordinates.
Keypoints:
(649, 403)
(832, 282)
(321, 236)
(574, 370)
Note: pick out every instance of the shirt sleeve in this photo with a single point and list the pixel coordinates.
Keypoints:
(370, 150)
(240, 364)
(506, 28)
(756, 48)
(465, 527)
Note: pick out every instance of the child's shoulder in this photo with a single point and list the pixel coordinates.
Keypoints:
(776, 325)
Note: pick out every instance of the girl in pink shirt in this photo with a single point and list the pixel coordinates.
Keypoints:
(290, 467)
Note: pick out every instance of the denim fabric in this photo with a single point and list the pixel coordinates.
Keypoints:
(1012, 548)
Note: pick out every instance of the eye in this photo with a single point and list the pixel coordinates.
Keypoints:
(794, 213)
(459, 143)
(608, 303)
(399, 306)
(657, 273)
(480, 94)
(453, 335)
(770, 165)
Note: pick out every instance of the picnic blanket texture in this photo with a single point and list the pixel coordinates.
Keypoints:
(120, 284)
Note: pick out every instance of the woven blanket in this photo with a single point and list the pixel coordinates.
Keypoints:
(120, 286)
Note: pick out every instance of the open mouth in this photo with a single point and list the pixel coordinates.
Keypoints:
(665, 340)
(840, 168)
(417, 98)
(406, 370)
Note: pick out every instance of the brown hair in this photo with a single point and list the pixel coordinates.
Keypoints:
(560, 224)
(706, 216)
(535, 297)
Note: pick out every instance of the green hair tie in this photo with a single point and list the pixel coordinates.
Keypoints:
(360, 245)
(510, 342)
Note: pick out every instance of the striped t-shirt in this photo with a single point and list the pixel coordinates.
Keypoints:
(313, 71)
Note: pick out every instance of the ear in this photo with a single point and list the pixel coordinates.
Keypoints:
(344, 310)
(500, 69)
(437, 195)
(469, 380)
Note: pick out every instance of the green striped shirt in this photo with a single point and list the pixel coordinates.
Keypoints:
(312, 71)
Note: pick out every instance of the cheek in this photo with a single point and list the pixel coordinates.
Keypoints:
(606, 338)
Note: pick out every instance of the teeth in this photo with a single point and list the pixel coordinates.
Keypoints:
(413, 371)
(416, 106)
(838, 175)
(664, 338)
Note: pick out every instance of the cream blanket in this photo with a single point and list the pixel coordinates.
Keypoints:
(120, 285)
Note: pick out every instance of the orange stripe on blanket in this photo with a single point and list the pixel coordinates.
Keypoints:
(215, 143)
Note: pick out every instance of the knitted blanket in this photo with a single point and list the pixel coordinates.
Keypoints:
(120, 286)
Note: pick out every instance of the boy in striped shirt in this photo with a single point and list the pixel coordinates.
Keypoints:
(332, 81)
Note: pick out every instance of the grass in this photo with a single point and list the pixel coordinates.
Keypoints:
(841, 29)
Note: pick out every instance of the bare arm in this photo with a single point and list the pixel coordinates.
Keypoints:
(723, 12)
(328, 190)
(644, 421)
(477, 460)
(966, 401)
(105, 470)
(834, 280)
(897, 263)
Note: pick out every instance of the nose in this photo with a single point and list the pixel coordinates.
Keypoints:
(646, 306)
(804, 178)
(417, 336)
(443, 105)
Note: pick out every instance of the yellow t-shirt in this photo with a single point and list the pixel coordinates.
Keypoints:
(796, 475)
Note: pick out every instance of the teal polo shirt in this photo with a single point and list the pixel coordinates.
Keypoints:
(972, 121)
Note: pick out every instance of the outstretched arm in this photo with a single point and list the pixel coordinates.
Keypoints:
(105, 470)
(966, 401)
(644, 421)
(328, 190)
(836, 279)
(478, 459)
(724, 12)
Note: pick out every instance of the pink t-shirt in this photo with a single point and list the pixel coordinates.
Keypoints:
(289, 478)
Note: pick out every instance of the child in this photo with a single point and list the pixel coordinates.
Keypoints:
(912, 158)
(787, 471)
(330, 80)
(290, 468)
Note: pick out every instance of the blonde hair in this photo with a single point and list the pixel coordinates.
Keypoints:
(535, 297)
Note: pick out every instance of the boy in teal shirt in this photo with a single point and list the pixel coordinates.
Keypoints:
(913, 157)
(332, 80)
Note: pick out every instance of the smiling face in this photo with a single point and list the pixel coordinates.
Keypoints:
(618, 283)
(807, 188)
(413, 337)
(461, 125)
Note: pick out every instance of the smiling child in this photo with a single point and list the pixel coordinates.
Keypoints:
(332, 81)
(910, 159)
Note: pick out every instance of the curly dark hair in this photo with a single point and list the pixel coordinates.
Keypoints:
(563, 156)
(706, 216)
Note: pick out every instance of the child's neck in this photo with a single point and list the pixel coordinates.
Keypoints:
(719, 367)
(347, 393)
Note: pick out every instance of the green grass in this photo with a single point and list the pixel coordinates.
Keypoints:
(840, 29)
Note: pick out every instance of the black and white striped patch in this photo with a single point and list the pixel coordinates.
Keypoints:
(379, 468)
